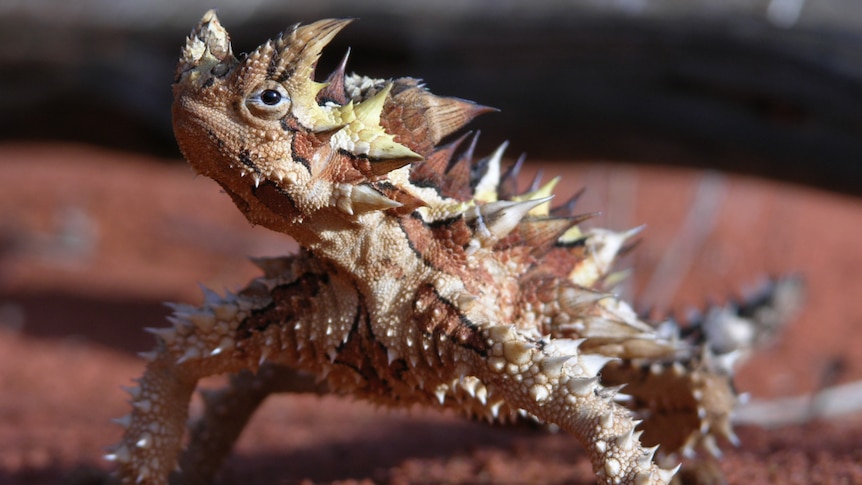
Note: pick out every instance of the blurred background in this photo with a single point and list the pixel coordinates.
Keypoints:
(771, 87)
(730, 127)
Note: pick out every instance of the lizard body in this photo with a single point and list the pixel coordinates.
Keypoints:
(424, 276)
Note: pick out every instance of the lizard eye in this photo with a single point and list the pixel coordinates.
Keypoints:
(270, 97)
(269, 101)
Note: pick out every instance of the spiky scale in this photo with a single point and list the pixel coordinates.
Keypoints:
(567, 208)
(544, 233)
(593, 363)
(649, 454)
(422, 272)
(486, 187)
(355, 199)
(148, 356)
(145, 441)
(582, 386)
(334, 90)
(496, 219)
(495, 408)
(607, 420)
(508, 187)
(134, 392)
(566, 347)
(189, 354)
(210, 296)
(456, 184)
(167, 335)
(440, 393)
(627, 440)
(365, 136)
(470, 385)
(553, 366)
(667, 474)
(123, 421)
(143, 405)
(439, 159)
(544, 192)
(120, 455)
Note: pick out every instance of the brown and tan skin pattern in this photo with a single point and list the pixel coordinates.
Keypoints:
(417, 282)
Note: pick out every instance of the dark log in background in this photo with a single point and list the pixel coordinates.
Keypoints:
(92, 240)
(739, 89)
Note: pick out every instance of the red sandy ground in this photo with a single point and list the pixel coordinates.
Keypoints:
(91, 243)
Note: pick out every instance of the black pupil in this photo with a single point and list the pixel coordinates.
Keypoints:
(270, 97)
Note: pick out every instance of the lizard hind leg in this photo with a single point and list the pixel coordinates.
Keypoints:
(226, 412)
(558, 383)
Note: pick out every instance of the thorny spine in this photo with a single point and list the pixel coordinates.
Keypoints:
(424, 277)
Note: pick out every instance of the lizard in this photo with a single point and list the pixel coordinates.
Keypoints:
(424, 277)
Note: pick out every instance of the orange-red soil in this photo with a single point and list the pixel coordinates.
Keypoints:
(91, 243)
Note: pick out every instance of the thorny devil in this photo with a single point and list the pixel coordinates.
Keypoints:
(424, 278)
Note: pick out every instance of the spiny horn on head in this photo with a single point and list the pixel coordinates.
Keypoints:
(294, 62)
(299, 49)
(207, 46)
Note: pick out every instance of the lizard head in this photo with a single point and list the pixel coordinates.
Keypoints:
(288, 148)
(327, 162)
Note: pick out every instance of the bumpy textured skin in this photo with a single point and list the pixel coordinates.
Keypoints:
(424, 277)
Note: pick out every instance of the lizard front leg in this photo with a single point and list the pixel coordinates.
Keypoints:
(189, 351)
(223, 336)
(155, 427)
(558, 383)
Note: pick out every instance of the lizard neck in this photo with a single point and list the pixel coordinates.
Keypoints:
(374, 247)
